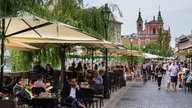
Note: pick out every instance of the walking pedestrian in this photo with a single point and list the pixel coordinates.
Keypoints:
(159, 73)
(174, 69)
(152, 69)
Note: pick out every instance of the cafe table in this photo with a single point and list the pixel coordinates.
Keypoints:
(45, 101)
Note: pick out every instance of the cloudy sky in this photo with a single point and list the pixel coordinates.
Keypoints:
(176, 13)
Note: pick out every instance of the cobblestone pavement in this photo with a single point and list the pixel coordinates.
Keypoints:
(138, 95)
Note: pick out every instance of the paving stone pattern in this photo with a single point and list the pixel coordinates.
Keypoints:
(137, 95)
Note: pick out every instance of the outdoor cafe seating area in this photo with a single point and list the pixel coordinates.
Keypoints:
(92, 94)
(34, 33)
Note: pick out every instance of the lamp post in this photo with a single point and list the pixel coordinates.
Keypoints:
(143, 50)
(2, 53)
(106, 14)
(158, 55)
(131, 40)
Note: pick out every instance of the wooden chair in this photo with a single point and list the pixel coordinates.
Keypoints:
(99, 93)
(88, 97)
(37, 90)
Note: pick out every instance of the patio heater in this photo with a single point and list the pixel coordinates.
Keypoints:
(106, 14)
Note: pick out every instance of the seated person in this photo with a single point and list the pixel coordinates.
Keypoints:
(91, 81)
(79, 70)
(38, 68)
(71, 94)
(186, 75)
(49, 70)
(102, 67)
(189, 81)
(72, 67)
(98, 79)
(20, 91)
(39, 82)
(84, 81)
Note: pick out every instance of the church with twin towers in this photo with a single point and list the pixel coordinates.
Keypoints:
(148, 31)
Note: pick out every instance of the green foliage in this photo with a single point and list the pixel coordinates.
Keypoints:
(154, 48)
(46, 55)
(20, 60)
(9, 8)
(160, 39)
(163, 40)
(162, 46)
(67, 11)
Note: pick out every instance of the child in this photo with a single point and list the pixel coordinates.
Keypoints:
(179, 81)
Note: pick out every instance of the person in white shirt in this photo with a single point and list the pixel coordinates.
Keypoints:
(72, 94)
(164, 67)
(173, 69)
(102, 67)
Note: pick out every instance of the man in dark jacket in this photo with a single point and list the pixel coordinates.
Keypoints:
(72, 94)
(20, 91)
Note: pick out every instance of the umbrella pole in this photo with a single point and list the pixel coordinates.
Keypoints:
(2, 54)
(63, 68)
(92, 59)
(64, 77)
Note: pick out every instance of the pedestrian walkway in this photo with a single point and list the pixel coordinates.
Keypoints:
(138, 95)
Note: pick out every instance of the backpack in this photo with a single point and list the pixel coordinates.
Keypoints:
(144, 66)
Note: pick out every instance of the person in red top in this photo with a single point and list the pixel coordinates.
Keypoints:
(179, 81)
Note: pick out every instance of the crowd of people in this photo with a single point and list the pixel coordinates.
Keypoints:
(179, 75)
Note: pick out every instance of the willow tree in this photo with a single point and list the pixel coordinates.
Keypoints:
(11, 8)
(70, 12)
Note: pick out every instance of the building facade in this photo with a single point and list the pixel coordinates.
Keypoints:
(183, 42)
(148, 32)
(117, 33)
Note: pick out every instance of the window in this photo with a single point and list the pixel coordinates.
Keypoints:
(139, 25)
(154, 31)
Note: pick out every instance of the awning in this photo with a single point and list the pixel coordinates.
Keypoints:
(184, 52)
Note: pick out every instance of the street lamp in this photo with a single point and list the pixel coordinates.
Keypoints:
(106, 15)
(158, 55)
(131, 40)
(143, 50)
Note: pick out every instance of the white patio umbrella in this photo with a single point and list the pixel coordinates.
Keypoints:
(30, 27)
(15, 45)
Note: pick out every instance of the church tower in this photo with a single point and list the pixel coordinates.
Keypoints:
(159, 18)
(139, 23)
